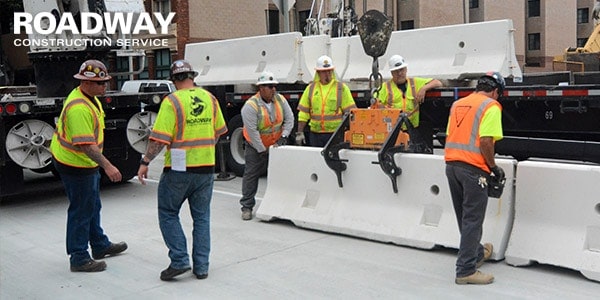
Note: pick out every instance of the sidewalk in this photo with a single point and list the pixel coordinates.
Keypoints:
(249, 259)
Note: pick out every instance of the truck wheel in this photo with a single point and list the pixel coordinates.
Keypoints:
(28, 144)
(139, 128)
(235, 152)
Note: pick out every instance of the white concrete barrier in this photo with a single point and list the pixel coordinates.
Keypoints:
(557, 217)
(302, 189)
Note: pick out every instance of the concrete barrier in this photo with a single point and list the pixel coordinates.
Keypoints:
(302, 189)
(557, 217)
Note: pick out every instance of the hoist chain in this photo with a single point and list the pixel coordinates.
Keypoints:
(375, 81)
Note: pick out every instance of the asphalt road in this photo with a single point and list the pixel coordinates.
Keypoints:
(249, 259)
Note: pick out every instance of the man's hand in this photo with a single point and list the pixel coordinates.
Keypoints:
(300, 139)
(498, 172)
(142, 173)
(282, 141)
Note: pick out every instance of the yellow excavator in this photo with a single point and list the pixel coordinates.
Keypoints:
(581, 59)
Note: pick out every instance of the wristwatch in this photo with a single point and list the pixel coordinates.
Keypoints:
(143, 162)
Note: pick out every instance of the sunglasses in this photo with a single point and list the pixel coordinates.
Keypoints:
(101, 82)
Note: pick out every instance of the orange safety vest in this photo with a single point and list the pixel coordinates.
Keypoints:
(462, 142)
(270, 130)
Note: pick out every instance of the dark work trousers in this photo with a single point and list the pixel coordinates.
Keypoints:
(468, 189)
(256, 166)
(319, 139)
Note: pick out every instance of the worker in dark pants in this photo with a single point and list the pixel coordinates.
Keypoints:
(268, 120)
(474, 124)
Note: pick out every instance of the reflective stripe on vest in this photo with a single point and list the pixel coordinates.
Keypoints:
(62, 146)
(390, 98)
(270, 130)
(464, 145)
(322, 118)
(199, 149)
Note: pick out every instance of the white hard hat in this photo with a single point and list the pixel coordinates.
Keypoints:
(397, 62)
(266, 77)
(324, 63)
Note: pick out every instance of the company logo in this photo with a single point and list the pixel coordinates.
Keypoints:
(90, 24)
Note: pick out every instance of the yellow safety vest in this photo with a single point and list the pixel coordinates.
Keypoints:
(87, 127)
(190, 119)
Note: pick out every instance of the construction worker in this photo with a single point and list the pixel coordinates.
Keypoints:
(406, 93)
(268, 120)
(76, 149)
(322, 105)
(189, 123)
(474, 125)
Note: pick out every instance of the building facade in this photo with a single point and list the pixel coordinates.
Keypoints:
(543, 28)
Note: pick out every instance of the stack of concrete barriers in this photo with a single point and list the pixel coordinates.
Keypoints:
(549, 211)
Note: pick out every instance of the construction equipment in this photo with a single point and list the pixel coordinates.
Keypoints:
(28, 113)
(581, 59)
(552, 134)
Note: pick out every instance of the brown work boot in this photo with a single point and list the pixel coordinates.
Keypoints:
(475, 278)
(487, 253)
(90, 266)
(246, 214)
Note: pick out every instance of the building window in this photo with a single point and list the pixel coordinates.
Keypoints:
(163, 63)
(473, 3)
(533, 41)
(410, 24)
(583, 15)
(162, 6)
(581, 42)
(272, 21)
(533, 8)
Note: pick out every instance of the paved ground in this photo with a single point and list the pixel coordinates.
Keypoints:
(249, 260)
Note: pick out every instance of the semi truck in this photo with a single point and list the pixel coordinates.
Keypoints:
(28, 113)
(545, 114)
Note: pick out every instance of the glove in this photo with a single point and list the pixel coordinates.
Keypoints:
(498, 172)
(300, 139)
(282, 141)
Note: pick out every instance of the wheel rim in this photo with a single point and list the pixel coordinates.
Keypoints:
(139, 128)
(28, 144)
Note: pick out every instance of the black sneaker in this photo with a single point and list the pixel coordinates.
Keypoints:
(113, 249)
(169, 273)
(201, 276)
(90, 266)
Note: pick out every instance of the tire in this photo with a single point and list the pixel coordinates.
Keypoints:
(234, 153)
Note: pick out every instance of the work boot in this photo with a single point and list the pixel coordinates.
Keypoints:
(90, 266)
(487, 253)
(475, 278)
(169, 273)
(246, 214)
(113, 249)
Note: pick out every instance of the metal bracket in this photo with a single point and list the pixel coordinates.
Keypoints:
(331, 150)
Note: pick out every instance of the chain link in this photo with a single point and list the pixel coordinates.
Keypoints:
(375, 81)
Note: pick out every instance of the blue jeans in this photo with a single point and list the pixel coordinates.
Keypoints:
(319, 139)
(173, 189)
(469, 199)
(83, 217)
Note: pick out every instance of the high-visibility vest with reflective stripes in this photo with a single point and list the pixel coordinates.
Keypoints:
(270, 125)
(325, 114)
(190, 119)
(462, 142)
(90, 130)
(407, 104)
